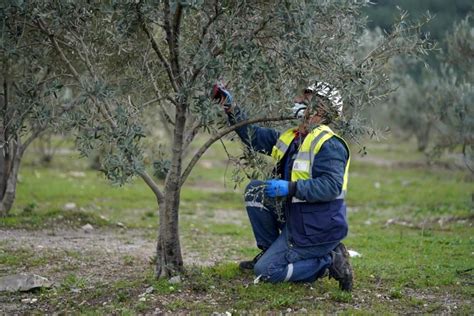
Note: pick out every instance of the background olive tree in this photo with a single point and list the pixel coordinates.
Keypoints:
(143, 67)
(430, 103)
(437, 108)
(33, 95)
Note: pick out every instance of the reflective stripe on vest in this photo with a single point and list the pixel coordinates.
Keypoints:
(282, 145)
(303, 163)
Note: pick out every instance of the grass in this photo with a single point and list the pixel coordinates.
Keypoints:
(57, 217)
(411, 224)
(21, 257)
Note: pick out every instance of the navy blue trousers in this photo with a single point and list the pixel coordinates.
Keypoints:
(282, 261)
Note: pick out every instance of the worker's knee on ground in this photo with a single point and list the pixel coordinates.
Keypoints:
(259, 268)
(253, 189)
(270, 272)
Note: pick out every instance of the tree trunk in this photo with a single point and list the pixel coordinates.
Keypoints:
(169, 260)
(9, 180)
(423, 137)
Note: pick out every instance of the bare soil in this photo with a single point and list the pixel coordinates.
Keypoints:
(107, 255)
(102, 256)
(108, 248)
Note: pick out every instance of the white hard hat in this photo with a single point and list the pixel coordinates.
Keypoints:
(327, 91)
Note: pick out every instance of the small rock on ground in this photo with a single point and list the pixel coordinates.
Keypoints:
(23, 282)
(175, 280)
(87, 228)
(69, 206)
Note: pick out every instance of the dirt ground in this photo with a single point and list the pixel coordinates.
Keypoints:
(100, 256)
(108, 247)
(106, 255)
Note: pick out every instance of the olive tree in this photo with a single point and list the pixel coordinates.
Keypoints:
(131, 60)
(437, 109)
(456, 92)
(32, 95)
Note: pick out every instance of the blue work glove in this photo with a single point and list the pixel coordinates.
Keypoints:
(277, 188)
(220, 93)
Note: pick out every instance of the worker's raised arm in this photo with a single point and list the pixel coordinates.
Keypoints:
(253, 136)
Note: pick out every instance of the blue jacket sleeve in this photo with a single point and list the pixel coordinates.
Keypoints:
(258, 138)
(328, 173)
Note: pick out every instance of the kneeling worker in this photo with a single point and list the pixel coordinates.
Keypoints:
(312, 171)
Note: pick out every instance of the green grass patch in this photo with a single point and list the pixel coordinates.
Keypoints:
(412, 258)
(162, 286)
(36, 220)
(22, 257)
(72, 281)
(226, 271)
(434, 193)
(227, 229)
(341, 296)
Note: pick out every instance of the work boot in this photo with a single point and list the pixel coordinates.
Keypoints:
(340, 268)
(248, 265)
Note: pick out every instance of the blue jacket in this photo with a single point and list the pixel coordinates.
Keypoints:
(323, 218)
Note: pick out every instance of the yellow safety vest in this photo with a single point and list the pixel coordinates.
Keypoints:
(304, 159)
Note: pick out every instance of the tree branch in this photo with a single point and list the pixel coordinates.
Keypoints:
(384, 46)
(192, 133)
(153, 186)
(84, 57)
(157, 50)
(158, 94)
(147, 103)
(203, 35)
(175, 40)
(69, 65)
(169, 33)
(105, 112)
(6, 96)
(148, 180)
(221, 134)
(31, 138)
(262, 26)
(4, 129)
(465, 157)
